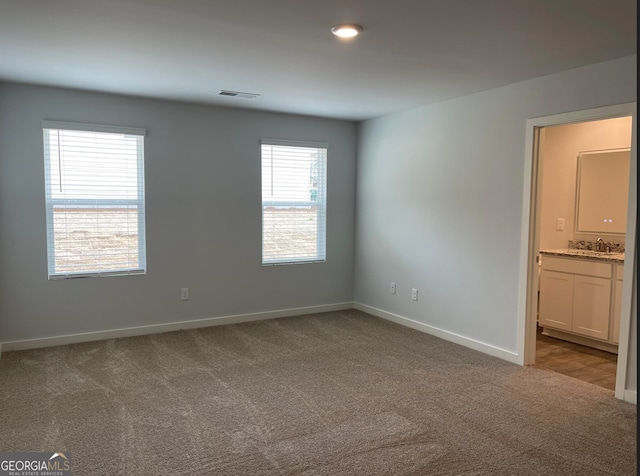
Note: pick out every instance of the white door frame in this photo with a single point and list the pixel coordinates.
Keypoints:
(528, 279)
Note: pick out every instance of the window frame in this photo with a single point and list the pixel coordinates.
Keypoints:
(51, 203)
(321, 203)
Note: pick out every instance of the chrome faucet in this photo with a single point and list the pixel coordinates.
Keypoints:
(600, 245)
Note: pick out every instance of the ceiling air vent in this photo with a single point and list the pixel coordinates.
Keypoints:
(237, 94)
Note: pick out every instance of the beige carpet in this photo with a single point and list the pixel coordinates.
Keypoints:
(327, 394)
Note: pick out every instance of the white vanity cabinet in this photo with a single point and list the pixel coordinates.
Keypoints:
(617, 304)
(580, 297)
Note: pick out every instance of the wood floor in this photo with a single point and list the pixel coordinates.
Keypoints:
(575, 360)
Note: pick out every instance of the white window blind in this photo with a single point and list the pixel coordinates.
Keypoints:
(294, 202)
(94, 184)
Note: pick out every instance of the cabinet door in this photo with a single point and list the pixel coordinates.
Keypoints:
(556, 299)
(617, 308)
(591, 306)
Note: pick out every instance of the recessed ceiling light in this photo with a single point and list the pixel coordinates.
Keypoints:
(346, 31)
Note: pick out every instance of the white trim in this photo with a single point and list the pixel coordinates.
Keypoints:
(629, 283)
(169, 327)
(440, 333)
(630, 396)
(526, 285)
(76, 126)
(282, 262)
(526, 316)
(295, 143)
(98, 274)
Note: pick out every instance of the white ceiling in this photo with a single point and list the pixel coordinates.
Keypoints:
(411, 52)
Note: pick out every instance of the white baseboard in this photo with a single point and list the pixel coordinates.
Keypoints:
(434, 331)
(631, 396)
(168, 327)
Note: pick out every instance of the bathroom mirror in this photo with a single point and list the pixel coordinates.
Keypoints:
(602, 190)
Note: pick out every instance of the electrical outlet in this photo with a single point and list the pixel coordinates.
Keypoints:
(560, 224)
(392, 288)
(414, 294)
(184, 294)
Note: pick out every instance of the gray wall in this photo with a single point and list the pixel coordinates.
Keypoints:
(202, 168)
(439, 208)
(439, 201)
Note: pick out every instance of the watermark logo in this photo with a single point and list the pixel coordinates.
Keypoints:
(35, 464)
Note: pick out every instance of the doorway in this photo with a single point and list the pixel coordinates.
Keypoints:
(532, 226)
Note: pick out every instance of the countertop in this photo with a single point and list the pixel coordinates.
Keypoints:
(586, 254)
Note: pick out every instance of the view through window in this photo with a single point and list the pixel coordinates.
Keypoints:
(94, 183)
(294, 202)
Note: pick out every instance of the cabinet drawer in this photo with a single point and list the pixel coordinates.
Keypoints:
(620, 271)
(577, 266)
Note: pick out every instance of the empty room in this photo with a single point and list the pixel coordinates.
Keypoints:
(315, 237)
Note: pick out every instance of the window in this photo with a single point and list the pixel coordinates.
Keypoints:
(294, 202)
(94, 185)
